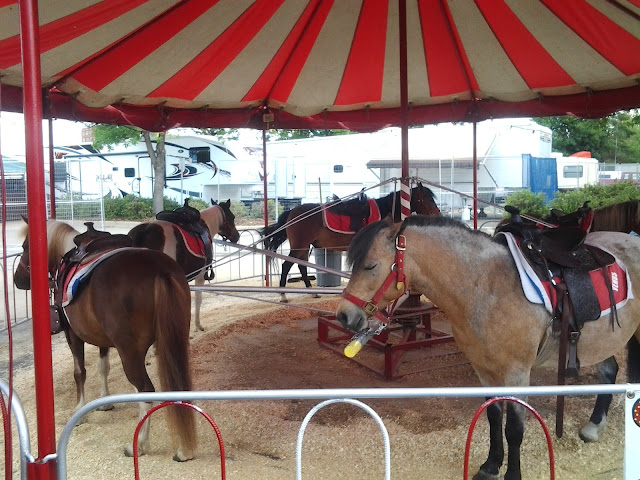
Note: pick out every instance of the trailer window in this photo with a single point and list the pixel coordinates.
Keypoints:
(200, 154)
(572, 171)
(129, 172)
(338, 169)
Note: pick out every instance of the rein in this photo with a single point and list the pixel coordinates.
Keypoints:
(395, 275)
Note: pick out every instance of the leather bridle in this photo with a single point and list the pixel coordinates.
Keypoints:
(395, 275)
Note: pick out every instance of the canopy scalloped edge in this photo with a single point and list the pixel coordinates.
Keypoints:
(587, 105)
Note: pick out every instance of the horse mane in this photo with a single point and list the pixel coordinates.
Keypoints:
(362, 241)
(60, 237)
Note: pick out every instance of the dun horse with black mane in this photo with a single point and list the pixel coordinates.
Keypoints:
(133, 298)
(474, 280)
(307, 225)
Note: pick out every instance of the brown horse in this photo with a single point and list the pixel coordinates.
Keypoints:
(133, 299)
(304, 226)
(166, 237)
(473, 278)
(619, 217)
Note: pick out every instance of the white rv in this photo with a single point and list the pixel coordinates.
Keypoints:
(197, 167)
(576, 172)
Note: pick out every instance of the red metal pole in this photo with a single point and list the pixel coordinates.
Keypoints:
(52, 187)
(405, 194)
(475, 175)
(267, 266)
(32, 108)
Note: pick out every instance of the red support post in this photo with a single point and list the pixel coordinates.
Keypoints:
(52, 186)
(36, 210)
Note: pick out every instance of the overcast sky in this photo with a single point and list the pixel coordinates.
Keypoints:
(12, 133)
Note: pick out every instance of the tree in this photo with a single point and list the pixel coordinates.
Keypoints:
(221, 133)
(110, 135)
(615, 138)
(295, 134)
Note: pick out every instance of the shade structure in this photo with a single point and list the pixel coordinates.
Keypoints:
(160, 64)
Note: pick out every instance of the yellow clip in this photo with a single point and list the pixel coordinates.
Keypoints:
(400, 286)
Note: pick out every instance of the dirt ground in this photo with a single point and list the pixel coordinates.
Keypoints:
(253, 345)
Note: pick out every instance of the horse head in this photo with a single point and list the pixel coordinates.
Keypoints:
(227, 228)
(423, 201)
(373, 284)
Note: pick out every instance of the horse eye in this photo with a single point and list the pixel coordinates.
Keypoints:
(371, 267)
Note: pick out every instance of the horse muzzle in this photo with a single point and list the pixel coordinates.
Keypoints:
(351, 316)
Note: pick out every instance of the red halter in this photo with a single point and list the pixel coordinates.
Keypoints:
(395, 275)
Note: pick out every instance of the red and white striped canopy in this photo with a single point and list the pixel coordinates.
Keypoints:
(326, 63)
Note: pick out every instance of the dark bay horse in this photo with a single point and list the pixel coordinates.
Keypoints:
(133, 299)
(473, 279)
(304, 226)
(166, 237)
(619, 217)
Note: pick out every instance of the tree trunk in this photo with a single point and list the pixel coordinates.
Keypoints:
(158, 162)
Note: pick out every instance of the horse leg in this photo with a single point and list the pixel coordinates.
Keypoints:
(104, 367)
(76, 345)
(633, 358)
(607, 372)
(303, 272)
(134, 368)
(514, 432)
(199, 281)
(286, 267)
(491, 467)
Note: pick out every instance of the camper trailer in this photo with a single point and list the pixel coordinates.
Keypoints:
(576, 171)
(313, 170)
(196, 167)
(511, 154)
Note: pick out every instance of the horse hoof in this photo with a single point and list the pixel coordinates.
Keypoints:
(591, 432)
(128, 451)
(315, 295)
(105, 408)
(181, 457)
(284, 300)
(485, 476)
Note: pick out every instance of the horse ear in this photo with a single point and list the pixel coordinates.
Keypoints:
(228, 203)
(393, 230)
(24, 217)
(213, 202)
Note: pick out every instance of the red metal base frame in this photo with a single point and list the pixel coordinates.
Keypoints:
(410, 330)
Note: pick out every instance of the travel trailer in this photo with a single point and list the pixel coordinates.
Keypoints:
(576, 171)
(511, 154)
(197, 167)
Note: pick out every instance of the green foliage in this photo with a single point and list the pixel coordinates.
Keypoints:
(239, 209)
(110, 135)
(257, 209)
(221, 133)
(528, 202)
(198, 204)
(615, 138)
(597, 195)
(131, 207)
(295, 134)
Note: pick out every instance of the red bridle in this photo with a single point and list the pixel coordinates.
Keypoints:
(395, 275)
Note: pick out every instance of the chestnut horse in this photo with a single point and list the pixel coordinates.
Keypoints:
(304, 226)
(473, 279)
(166, 237)
(133, 299)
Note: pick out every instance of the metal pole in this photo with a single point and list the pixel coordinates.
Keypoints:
(475, 175)
(36, 209)
(52, 176)
(267, 276)
(405, 193)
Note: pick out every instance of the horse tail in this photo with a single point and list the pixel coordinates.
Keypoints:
(633, 359)
(276, 233)
(172, 317)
